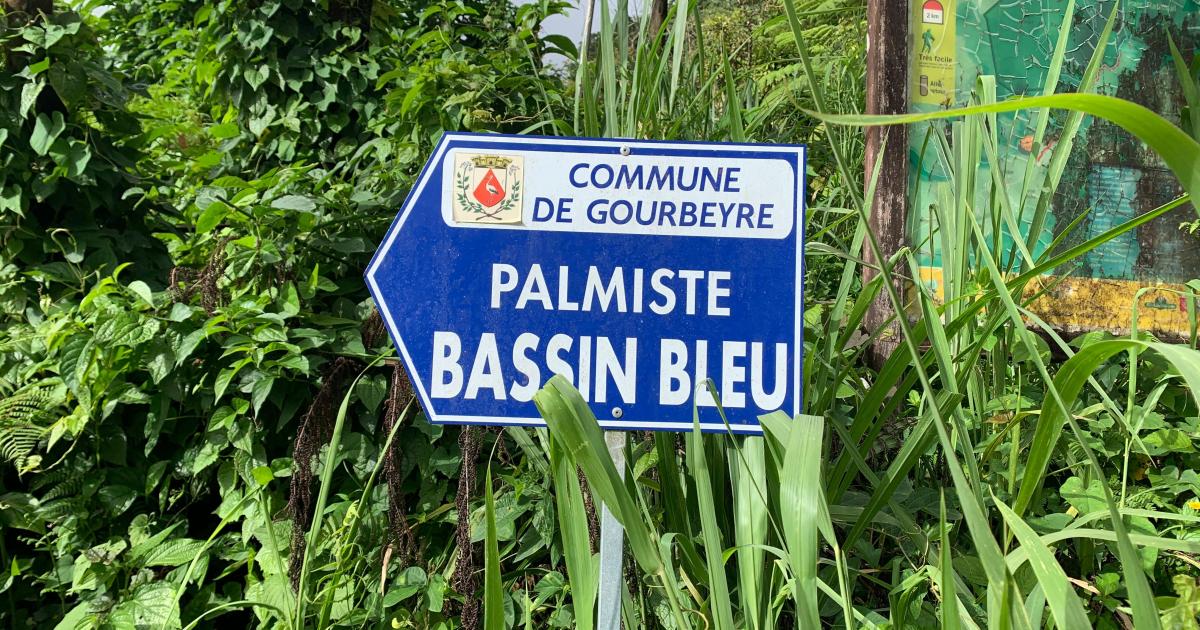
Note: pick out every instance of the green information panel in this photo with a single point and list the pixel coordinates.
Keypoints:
(1110, 176)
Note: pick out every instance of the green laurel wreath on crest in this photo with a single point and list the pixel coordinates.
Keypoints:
(462, 184)
(460, 187)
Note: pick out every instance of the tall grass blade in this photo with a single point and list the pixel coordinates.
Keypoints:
(607, 57)
(1065, 605)
(582, 567)
(1180, 151)
(1066, 142)
(949, 608)
(493, 589)
(1188, 84)
(571, 421)
(733, 103)
(1000, 585)
(345, 550)
(800, 495)
(332, 452)
(581, 63)
(1069, 381)
(750, 529)
(573, 424)
(677, 517)
(719, 600)
(1141, 598)
(818, 95)
(678, 41)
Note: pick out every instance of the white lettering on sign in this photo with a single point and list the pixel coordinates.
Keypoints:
(753, 373)
(616, 290)
(600, 362)
(650, 194)
(604, 370)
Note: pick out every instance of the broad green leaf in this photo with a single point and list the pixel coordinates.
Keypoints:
(150, 606)
(263, 475)
(290, 301)
(435, 593)
(299, 203)
(411, 581)
(142, 290)
(1165, 441)
(80, 616)
(225, 377)
(161, 365)
(10, 199)
(224, 131)
(126, 330)
(72, 156)
(180, 312)
(46, 130)
(274, 591)
(187, 345)
(1085, 499)
(259, 392)
(372, 391)
(29, 95)
(211, 216)
(209, 451)
(173, 552)
(256, 75)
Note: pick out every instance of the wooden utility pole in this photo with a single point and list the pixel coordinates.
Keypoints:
(658, 13)
(887, 93)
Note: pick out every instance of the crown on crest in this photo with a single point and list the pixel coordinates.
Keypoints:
(491, 161)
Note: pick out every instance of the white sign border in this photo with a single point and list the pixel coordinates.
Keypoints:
(631, 425)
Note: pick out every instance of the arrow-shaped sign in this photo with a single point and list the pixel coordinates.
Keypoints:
(638, 270)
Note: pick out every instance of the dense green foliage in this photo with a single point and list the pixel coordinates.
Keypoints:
(190, 190)
(190, 193)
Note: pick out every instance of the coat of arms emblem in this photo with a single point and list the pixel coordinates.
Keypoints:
(487, 188)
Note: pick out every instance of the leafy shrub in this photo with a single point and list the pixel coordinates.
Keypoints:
(191, 190)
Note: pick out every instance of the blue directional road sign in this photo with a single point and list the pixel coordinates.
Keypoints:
(637, 270)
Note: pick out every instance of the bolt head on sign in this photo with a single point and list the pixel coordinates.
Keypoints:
(640, 271)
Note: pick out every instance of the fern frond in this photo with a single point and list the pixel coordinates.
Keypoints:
(23, 421)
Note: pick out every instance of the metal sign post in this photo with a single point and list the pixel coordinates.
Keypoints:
(612, 547)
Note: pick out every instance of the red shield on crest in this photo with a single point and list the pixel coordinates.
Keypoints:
(490, 191)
